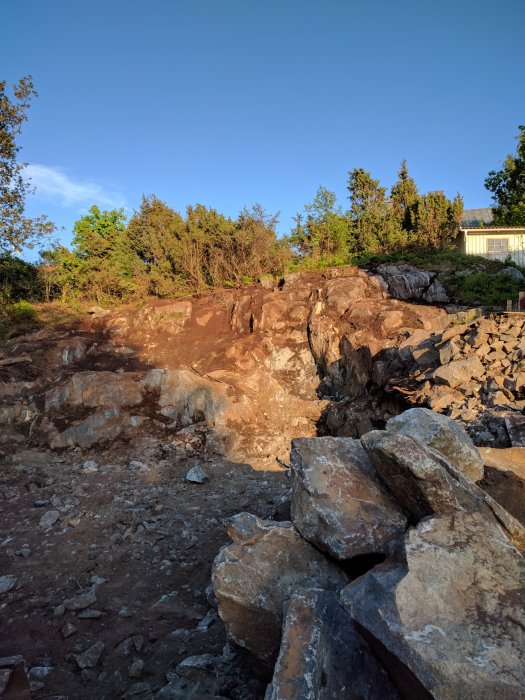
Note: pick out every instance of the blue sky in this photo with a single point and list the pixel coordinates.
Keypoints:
(232, 102)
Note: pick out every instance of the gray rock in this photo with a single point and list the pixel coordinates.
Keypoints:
(7, 583)
(338, 502)
(68, 629)
(49, 519)
(196, 476)
(407, 282)
(252, 578)
(82, 600)
(323, 657)
(90, 466)
(511, 273)
(442, 434)
(447, 618)
(136, 669)
(90, 657)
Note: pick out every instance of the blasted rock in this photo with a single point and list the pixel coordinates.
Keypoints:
(426, 483)
(338, 502)
(322, 655)
(447, 617)
(255, 575)
(442, 434)
(459, 372)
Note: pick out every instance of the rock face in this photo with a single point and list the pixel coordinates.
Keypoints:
(442, 434)
(255, 575)
(338, 502)
(407, 282)
(447, 619)
(323, 657)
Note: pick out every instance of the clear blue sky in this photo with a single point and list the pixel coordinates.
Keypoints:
(231, 102)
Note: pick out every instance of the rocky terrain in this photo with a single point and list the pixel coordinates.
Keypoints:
(130, 436)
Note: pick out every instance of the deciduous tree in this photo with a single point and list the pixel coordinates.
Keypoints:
(508, 187)
(16, 229)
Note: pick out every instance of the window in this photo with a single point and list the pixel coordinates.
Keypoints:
(497, 246)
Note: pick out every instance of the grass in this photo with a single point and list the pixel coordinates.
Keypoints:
(17, 318)
(485, 288)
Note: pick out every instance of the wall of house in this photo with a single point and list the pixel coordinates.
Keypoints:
(478, 244)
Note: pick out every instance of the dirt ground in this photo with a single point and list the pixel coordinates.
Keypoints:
(132, 534)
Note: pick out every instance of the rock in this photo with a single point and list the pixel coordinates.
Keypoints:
(425, 483)
(7, 583)
(442, 434)
(136, 669)
(196, 476)
(459, 372)
(90, 657)
(49, 519)
(511, 273)
(323, 657)
(407, 282)
(446, 618)
(504, 478)
(338, 502)
(90, 466)
(252, 578)
(82, 600)
(89, 614)
(14, 683)
(68, 629)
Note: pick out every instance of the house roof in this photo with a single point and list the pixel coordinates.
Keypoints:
(476, 217)
(483, 230)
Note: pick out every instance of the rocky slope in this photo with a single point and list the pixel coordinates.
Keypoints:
(128, 437)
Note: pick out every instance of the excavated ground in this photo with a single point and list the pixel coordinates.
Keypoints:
(117, 523)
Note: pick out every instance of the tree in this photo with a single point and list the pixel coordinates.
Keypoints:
(435, 220)
(369, 212)
(16, 229)
(325, 234)
(508, 187)
(403, 197)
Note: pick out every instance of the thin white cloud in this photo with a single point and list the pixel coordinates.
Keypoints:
(53, 184)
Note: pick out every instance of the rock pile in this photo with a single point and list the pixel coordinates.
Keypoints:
(473, 372)
(427, 598)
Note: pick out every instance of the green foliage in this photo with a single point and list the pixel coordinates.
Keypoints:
(325, 235)
(16, 229)
(508, 187)
(485, 288)
(435, 221)
(17, 318)
(19, 280)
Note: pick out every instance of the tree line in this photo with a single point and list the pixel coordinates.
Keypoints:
(161, 252)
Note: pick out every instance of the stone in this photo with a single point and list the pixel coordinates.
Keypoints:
(90, 614)
(448, 352)
(442, 434)
(511, 273)
(459, 372)
(49, 519)
(136, 669)
(90, 466)
(7, 583)
(338, 502)
(407, 282)
(13, 678)
(90, 657)
(426, 483)
(82, 600)
(504, 478)
(252, 578)
(196, 475)
(68, 629)
(446, 616)
(323, 657)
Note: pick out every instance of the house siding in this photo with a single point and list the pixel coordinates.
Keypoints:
(476, 243)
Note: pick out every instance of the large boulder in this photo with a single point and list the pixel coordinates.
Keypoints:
(338, 502)
(254, 576)
(447, 617)
(407, 282)
(96, 390)
(442, 434)
(322, 655)
(426, 483)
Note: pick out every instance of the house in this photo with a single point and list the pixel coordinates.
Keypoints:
(478, 237)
